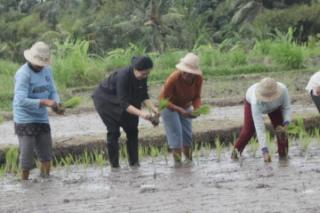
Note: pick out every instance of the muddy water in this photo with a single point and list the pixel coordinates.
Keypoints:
(208, 186)
(87, 124)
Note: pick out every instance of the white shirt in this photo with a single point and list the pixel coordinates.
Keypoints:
(259, 108)
(313, 83)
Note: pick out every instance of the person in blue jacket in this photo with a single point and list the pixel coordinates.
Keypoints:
(34, 91)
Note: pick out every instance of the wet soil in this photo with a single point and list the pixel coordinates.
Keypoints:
(248, 185)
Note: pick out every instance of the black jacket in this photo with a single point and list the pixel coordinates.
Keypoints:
(121, 89)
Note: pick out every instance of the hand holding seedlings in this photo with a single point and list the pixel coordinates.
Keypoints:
(155, 119)
(58, 108)
(145, 115)
(203, 110)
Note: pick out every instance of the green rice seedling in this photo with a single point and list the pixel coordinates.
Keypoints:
(154, 152)
(203, 110)
(100, 159)
(163, 103)
(305, 141)
(72, 102)
(197, 152)
(1, 119)
(86, 158)
(164, 151)
(2, 171)
(69, 160)
(207, 150)
(316, 135)
(123, 152)
(141, 152)
(57, 162)
(253, 146)
(11, 159)
(297, 127)
(270, 144)
(219, 147)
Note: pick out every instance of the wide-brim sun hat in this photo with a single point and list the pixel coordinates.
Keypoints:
(268, 90)
(190, 64)
(39, 54)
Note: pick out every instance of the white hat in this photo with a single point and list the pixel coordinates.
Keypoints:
(38, 54)
(268, 90)
(189, 64)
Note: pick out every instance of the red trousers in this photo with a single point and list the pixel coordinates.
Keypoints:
(248, 130)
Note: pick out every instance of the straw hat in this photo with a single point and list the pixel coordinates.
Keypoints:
(38, 54)
(190, 64)
(268, 90)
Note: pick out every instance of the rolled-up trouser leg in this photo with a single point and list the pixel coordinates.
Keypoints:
(26, 146)
(113, 148)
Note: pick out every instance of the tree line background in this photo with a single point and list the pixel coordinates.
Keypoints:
(155, 25)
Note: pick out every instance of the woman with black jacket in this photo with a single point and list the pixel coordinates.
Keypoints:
(118, 101)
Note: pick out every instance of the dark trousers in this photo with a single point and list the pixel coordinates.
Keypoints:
(316, 100)
(129, 124)
(248, 130)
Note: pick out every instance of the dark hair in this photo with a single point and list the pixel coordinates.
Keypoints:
(141, 63)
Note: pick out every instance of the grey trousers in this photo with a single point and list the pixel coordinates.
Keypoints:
(41, 144)
(316, 100)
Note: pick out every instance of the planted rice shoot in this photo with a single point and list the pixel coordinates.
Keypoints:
(270, 144)
(154, 153)
(253, 146)
(202, 110)
(218, 145)
(305, 141)
(164, 152)
(316, 135)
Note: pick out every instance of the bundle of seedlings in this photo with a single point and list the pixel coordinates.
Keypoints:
(202, 110)
(163, 103)
(72, 102)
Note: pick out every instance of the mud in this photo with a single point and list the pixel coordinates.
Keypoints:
(76, 133)
(248, 185)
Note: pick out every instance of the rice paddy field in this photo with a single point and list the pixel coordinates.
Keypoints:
(214, 183)
(82, 181)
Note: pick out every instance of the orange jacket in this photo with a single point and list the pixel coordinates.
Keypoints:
(179, 93)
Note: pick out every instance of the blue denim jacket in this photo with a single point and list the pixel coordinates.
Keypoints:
(30, 88)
